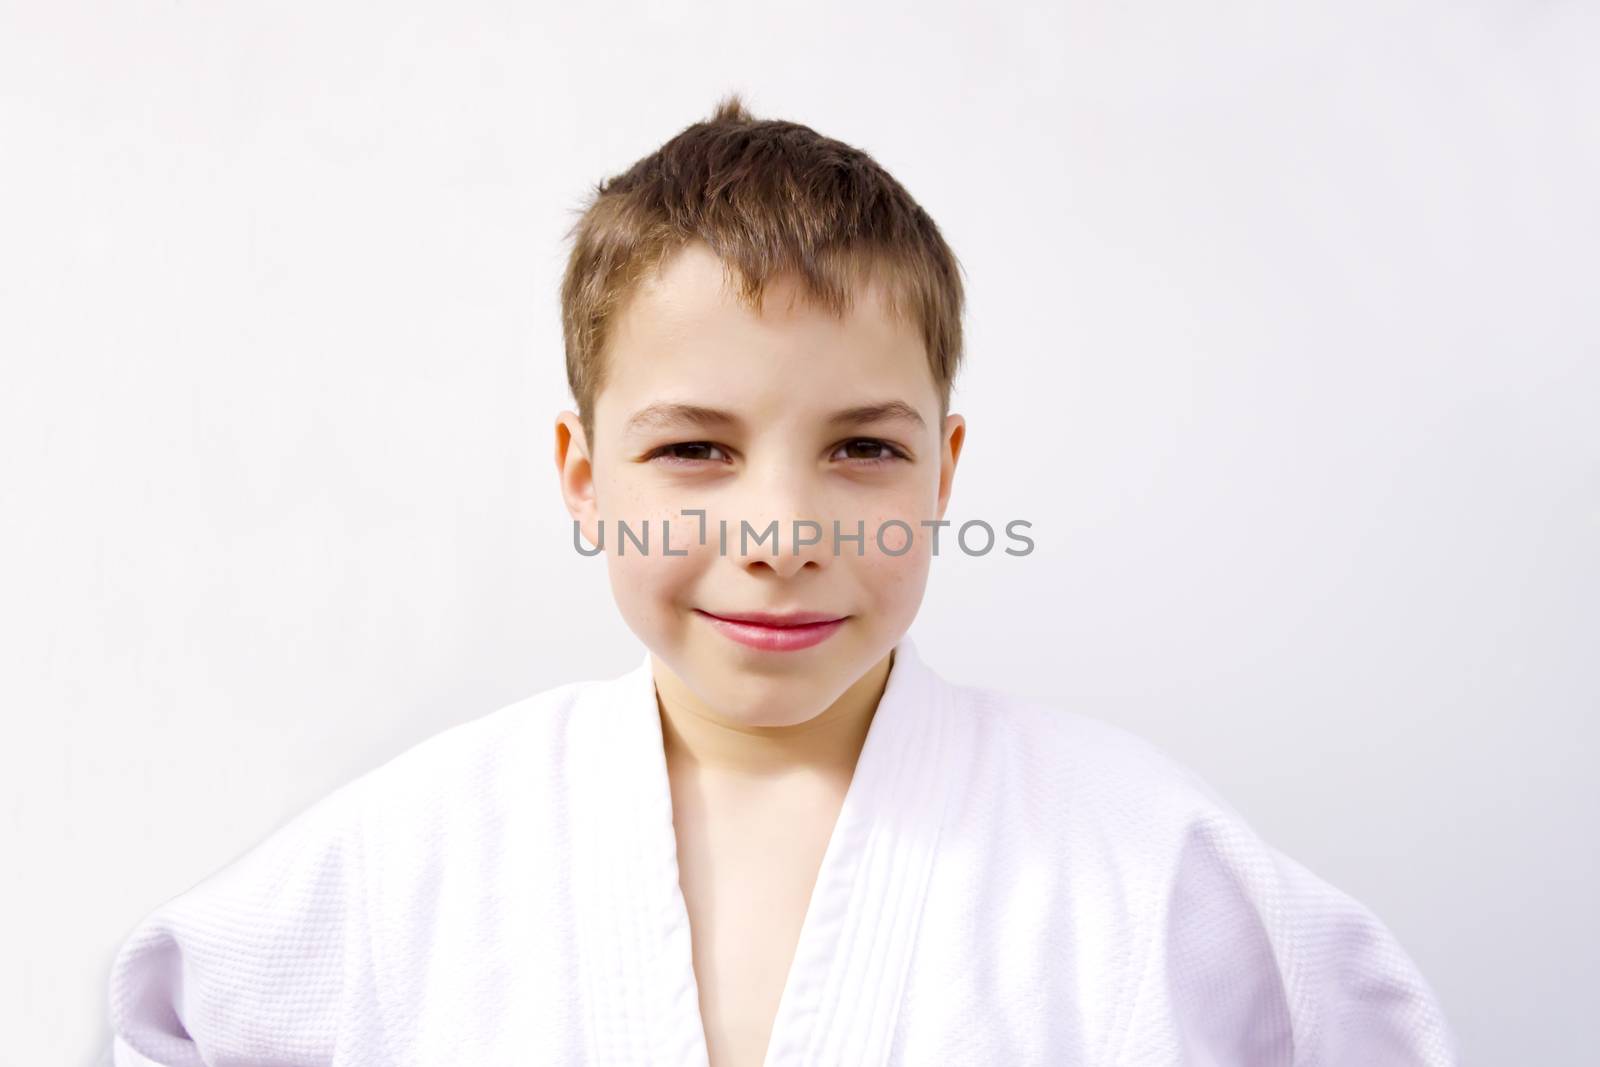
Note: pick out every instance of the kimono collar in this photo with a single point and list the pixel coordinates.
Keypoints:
(843, 989)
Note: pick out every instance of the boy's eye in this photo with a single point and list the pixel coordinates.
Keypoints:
(877, 451)
(687, 452)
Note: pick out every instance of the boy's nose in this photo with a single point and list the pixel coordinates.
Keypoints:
(784, 544)
(799, 545)
(787, 530)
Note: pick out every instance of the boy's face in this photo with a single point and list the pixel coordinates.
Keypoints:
(780, 377)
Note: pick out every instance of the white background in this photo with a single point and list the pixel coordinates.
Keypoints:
(1282, 332)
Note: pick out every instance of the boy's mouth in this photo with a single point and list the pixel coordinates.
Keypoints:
(777, 620)
(774, 631)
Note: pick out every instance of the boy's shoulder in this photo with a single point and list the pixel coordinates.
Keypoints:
(1081, 759)
(1104, 801)
(470, 752)
(267, 924)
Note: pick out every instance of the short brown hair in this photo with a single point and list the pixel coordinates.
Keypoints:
(768, 197)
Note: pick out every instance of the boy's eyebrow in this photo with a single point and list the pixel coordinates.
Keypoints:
(661, 415)
(884, 412)
(665, 414)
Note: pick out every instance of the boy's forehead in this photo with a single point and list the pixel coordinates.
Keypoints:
(693, 272)
(695, 286)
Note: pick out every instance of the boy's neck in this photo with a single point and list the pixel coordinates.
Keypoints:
(699, 741)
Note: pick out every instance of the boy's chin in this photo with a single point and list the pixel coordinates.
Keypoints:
(778, 688)
(776, 702)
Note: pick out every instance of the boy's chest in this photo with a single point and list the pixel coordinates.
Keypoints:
(747, 867)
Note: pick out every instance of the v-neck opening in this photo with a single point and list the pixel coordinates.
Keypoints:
(843, 987)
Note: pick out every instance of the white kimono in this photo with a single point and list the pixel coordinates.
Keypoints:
(1008, 883)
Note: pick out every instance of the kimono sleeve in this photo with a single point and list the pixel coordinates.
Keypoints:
(254, 964)
(1258, 962)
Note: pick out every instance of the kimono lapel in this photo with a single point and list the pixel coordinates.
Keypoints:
(843, 991)
(635, 959)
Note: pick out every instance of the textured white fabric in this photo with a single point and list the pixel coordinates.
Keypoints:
(1009, 883)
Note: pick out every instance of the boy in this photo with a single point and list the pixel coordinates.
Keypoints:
(781, 838)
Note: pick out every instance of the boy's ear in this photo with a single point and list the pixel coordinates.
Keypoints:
(955, 433)
(576, 474)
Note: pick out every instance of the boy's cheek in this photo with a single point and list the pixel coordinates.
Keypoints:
(655, 591)
(895, 584)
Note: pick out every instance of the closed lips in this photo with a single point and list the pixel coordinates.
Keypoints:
(779, 622)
